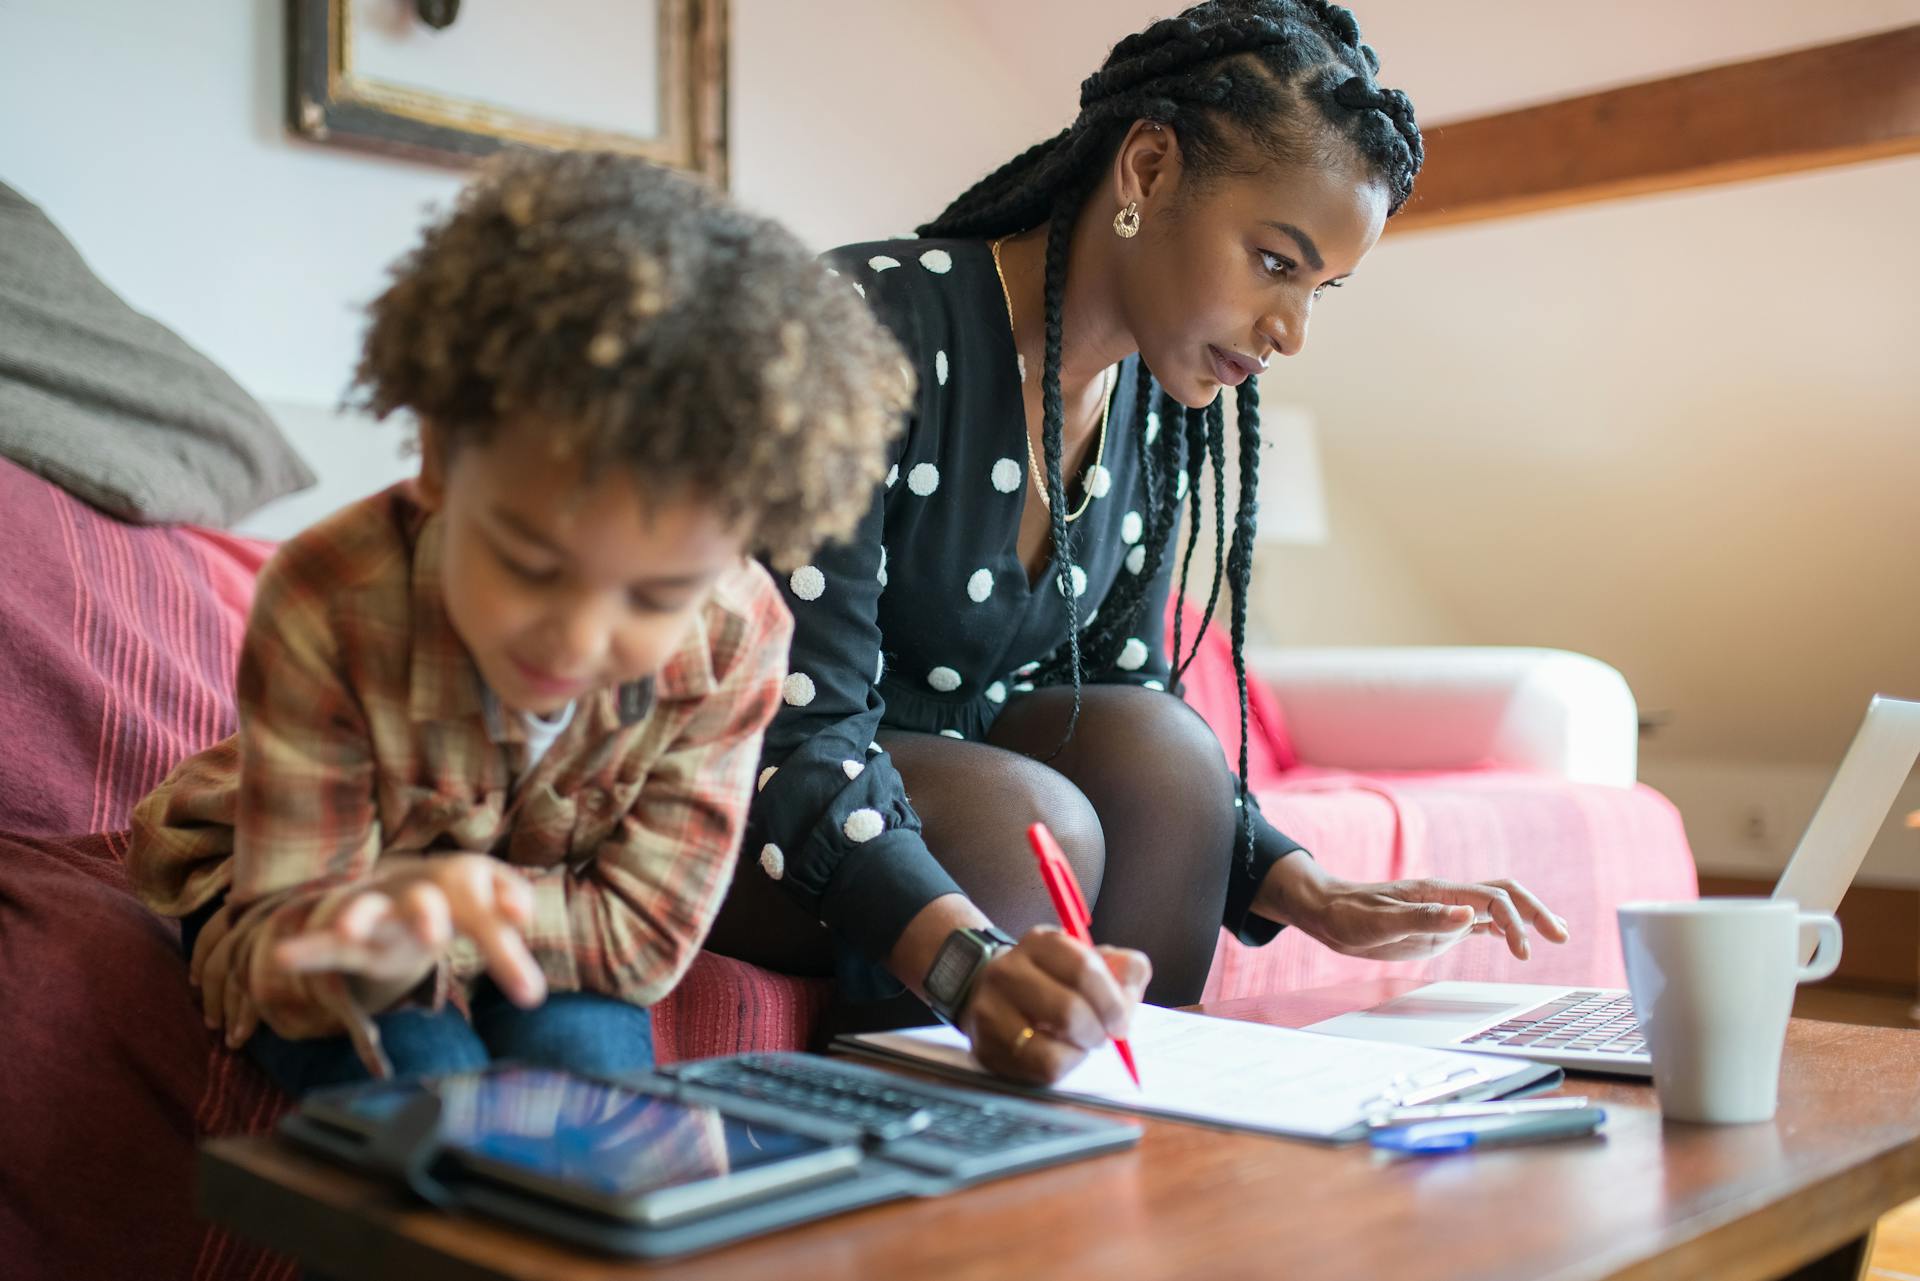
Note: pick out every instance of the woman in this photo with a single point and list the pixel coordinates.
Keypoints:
(989, 642)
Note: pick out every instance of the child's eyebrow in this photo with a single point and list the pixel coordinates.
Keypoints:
(676, 580)
(522, 529)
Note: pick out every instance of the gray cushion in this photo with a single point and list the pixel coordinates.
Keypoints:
(112, 405)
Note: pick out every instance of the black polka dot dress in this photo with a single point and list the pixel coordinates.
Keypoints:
(925, 619)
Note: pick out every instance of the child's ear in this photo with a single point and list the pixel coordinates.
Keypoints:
(432, 485)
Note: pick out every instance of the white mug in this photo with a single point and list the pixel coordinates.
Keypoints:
(1712, 982)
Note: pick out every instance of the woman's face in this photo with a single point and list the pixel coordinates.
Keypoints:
(1225, 275)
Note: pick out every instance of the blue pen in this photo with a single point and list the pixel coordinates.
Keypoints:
(1465, 1133)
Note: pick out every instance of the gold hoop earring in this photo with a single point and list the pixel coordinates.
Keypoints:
(1126, 223)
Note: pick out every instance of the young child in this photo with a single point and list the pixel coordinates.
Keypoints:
(499, 724)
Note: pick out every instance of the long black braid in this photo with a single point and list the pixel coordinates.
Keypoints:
(1052, 426)
(1222, 72)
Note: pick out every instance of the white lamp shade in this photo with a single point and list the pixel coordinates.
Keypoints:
(1293, 502)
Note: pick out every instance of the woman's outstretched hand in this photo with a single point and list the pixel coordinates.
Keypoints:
(1039, 1008)
(1403, 920)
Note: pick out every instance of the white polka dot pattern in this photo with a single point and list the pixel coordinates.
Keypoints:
(1131, 528)
(853, 769)
(980, 586)
(893, 475)
(1133, 655)
(883, 565)
(863, 825)
(879, 667)
(1157, 686)
(923, 479)
(1020, 363)
(1007, 475)
(1079, 582)
(765, 774)
(997, 692)
(773, 861)
(807, 582)
(1023, 687)
(875, 748)
(797, 689)
(1153, 425)
(1180, 487)
(1136, 560)
(1099, 481)
(952, 733)
(940, 367)
(880, 262)
(944, 679)
(937, 261)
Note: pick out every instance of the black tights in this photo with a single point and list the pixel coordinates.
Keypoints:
(1141, 800)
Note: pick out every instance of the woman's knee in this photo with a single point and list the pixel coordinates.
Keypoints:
(1034, 792)
(1152, 741)
(976, 802)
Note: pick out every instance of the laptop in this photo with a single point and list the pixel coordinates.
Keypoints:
(1593, 1029)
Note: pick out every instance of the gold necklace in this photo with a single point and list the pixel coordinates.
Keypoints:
(1106, 412)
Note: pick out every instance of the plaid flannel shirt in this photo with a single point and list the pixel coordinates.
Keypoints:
(365, 732)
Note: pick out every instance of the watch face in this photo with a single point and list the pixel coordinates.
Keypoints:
(951, 967)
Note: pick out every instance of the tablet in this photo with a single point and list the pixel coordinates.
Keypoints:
(617, 1150)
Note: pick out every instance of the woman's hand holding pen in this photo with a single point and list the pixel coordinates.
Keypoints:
(1039, 1008)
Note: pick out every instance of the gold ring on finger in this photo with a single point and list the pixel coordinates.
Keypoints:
(1020, 1042)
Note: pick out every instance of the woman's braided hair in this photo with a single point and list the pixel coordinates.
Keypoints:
(1221, 75)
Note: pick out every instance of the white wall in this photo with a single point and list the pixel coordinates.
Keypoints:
(1745, 817)
(152, 134)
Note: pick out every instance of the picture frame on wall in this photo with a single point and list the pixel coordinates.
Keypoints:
(449, 83)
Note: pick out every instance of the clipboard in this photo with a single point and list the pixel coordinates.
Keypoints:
(1239, 1076)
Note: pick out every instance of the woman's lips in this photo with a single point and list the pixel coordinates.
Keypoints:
(1231, 369)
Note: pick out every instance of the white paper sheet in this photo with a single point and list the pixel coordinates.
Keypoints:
(1243, 1075)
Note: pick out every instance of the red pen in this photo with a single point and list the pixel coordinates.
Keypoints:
(1064, 889)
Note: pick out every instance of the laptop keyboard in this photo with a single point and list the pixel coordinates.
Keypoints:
(1586, 1022)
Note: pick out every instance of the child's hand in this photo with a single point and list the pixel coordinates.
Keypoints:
(391, 934)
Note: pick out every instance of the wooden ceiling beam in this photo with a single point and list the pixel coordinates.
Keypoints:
(1830, 105)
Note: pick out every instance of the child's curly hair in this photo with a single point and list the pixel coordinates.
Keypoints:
(651, 323)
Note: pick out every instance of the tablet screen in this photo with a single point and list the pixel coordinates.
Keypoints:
(584, 1133)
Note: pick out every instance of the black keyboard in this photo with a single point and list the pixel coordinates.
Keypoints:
(1579, 1022)
(964, 1134)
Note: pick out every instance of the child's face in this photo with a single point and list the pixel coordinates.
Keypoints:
(558, 583)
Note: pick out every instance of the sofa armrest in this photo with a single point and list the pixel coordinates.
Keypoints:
(1456, 708)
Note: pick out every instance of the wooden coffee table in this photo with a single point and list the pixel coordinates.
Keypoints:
(1796, 1197)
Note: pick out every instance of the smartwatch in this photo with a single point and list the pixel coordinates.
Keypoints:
(957, 964)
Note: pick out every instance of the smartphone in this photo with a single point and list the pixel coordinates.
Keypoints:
(616, 1150)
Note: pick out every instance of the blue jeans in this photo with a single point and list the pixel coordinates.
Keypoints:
(582, 1031)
